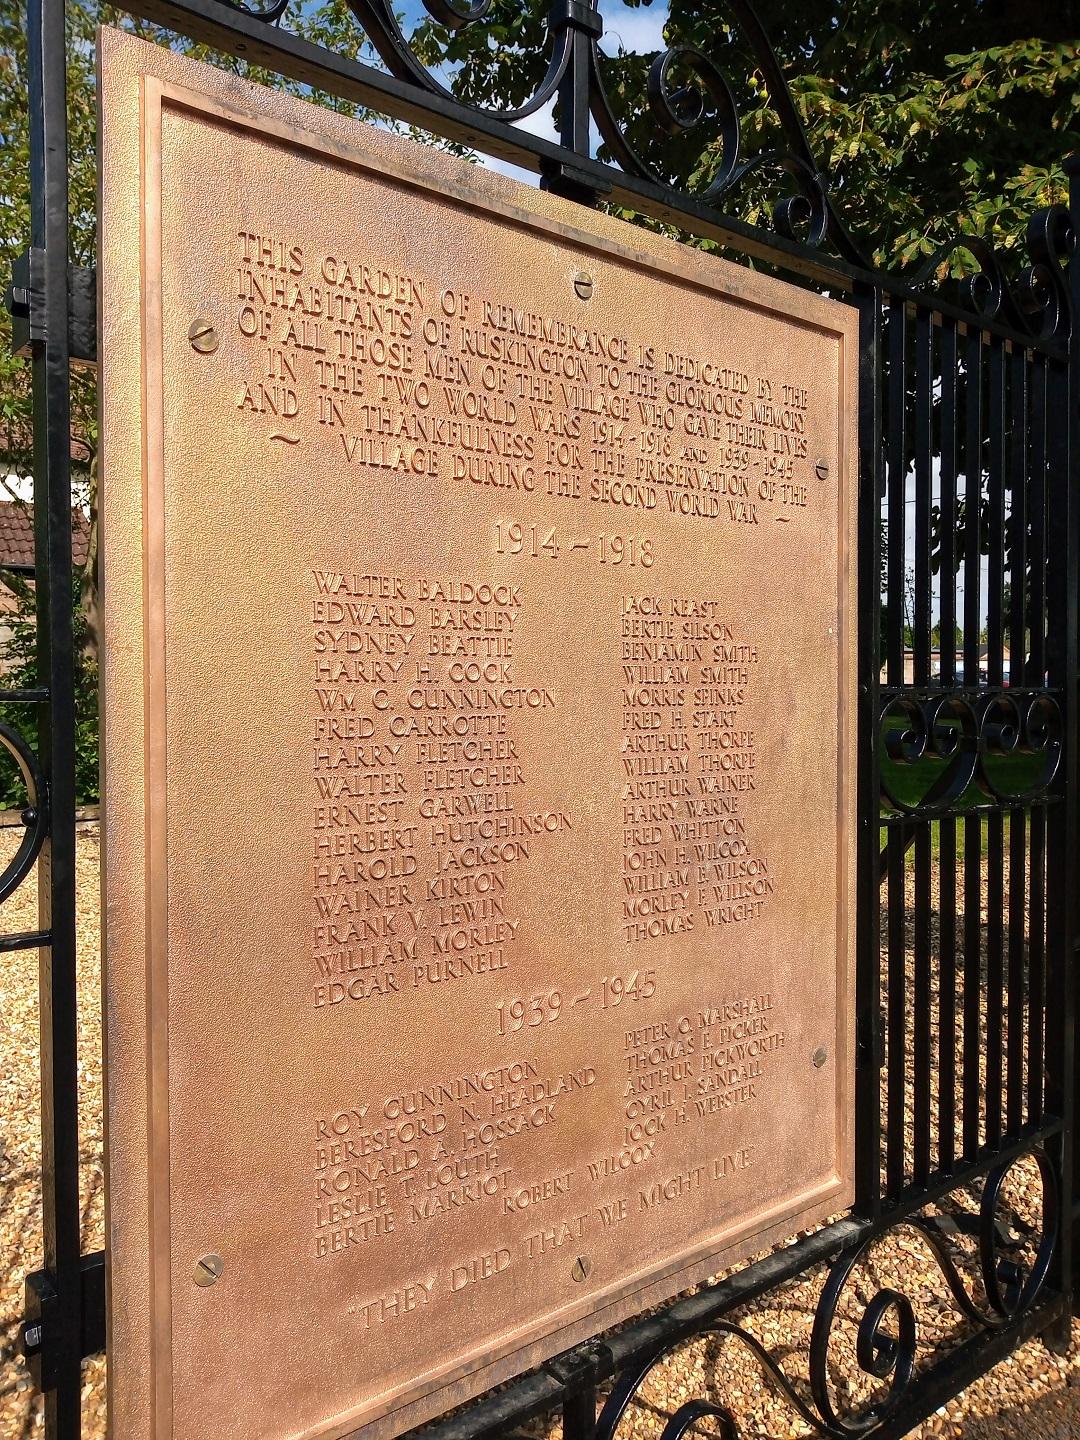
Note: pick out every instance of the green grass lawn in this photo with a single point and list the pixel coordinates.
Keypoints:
(935, 836)
(1013, 774)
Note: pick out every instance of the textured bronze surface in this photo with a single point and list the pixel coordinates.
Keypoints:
(479, 748)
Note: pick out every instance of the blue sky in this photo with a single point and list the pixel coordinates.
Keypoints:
(635, 31)
(639, 30)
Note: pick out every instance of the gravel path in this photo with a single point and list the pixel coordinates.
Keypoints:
(1034, 1393)
(20, 1146)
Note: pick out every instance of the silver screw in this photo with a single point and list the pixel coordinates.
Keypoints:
(582, 1269)
(208, 1270)
(821, 469)
(204, 338)
(820, 1056)
(32, 1336)
(583, 285)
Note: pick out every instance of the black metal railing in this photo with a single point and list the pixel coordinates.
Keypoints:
(967, 785)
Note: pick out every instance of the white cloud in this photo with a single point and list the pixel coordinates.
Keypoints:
(640, 32)
(542, 123)
(503, 167)
(14, 486)
(637, 31)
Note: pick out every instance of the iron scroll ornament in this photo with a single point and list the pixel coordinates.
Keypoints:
(687, 92)
(35, 816)
(1038, 303)
(968, 733)
(887, 1332)
(677, 106)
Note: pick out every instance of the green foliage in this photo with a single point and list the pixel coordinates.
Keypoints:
(19, 663)
(15, 410)
(330, 23)
(929, 120)
(926, 136)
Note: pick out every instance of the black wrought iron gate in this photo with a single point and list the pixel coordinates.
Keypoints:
(967, 786)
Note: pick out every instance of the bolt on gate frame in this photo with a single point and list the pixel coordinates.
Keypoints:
(968, 411)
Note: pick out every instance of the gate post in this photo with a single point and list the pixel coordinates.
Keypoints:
(1063, 888)
(1071, 897)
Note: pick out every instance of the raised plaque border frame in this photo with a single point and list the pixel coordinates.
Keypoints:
(124, 375)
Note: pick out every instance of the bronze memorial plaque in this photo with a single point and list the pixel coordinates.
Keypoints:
(479, 646)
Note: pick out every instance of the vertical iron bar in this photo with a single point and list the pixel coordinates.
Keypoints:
(973, 382)
(579, 1411)
(1035, 674)
(574, 122)
(921, 648)
(1018, 524)
(947, 828)
(1018, 848)
(585, 24)
(924, 409)
(897, 491)
(921, 1017)
(897, 1050)
(1062, 890)
(950, 559)
(868, 801)
(1037, 1018)
(995, 854)
(53, 569)
(995, 610)
(896, 1057)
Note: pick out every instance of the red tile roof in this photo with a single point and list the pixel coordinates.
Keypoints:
(17, 534)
